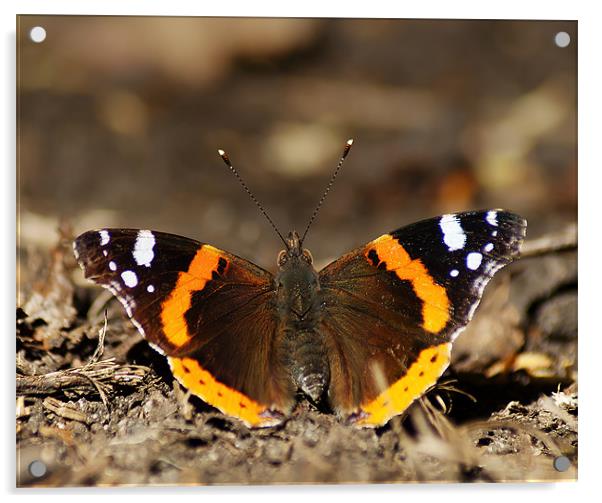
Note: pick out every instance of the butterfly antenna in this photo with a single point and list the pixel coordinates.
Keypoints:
(226, 159)
(329, 186)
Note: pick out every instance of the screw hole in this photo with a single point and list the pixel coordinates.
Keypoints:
(562, 39)
(37, 468)
(37, 34)
(561, 463)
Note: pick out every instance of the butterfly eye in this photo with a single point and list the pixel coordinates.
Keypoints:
(307, 257)
(282, 258)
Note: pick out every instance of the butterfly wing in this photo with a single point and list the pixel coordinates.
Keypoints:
(211, 313)
(394, 306)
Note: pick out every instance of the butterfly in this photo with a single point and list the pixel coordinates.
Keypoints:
(365, 336)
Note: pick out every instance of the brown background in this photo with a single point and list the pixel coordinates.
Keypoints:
(120, 119)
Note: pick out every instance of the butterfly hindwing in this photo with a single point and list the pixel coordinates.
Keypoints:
(394, 306)
(193, 303)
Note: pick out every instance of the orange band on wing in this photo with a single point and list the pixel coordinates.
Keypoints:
(435, 303)
(200, 270)
(229, 401)
(421, 375)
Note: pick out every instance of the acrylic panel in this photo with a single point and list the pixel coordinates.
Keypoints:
(413, 321)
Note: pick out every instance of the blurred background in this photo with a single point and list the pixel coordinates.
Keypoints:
(120, 119)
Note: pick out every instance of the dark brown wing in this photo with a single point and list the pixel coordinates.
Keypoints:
(394, 306)
(211, 313)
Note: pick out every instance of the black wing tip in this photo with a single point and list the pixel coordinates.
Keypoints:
(80, 245)
(515, 228)
(510, 217)
(87, 246)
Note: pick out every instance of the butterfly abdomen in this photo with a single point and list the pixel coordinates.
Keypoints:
(307, 361)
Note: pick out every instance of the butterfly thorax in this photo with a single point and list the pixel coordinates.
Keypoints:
(300, 309)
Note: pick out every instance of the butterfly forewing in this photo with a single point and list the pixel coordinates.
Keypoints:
(393, 307)
(140, 267)
(462, 252)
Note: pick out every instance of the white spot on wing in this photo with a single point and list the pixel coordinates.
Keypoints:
(473, 260)
(150, 288)
(453, 234)
(143, 249)
(454, 273)
(105, 253)
(491, 217)
(488, 247)
(112, 266)
(129, 278)
(104, 237)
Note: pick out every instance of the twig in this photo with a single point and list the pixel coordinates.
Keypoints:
(93, 373)
(565, 239)
(104, 297)
(22, 409)
(64, 410)
(98, 387)
(494, 424)
(52, 382)
(101, 343)
(448, 386)
(24, 367)
(91, 376)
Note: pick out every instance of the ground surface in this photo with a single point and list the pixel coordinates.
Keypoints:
(117, 416)
(119, 121)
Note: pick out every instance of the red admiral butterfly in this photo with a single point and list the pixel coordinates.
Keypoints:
(366, 335)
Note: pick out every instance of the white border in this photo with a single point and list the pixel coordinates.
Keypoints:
(459, 9)
(589, 215)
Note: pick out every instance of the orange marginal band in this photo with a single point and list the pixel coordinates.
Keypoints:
(231, 402)
(422, 374)
(435, 303)
(200, 270)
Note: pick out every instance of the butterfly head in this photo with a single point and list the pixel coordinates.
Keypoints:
(294, 252)
(297, 280)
